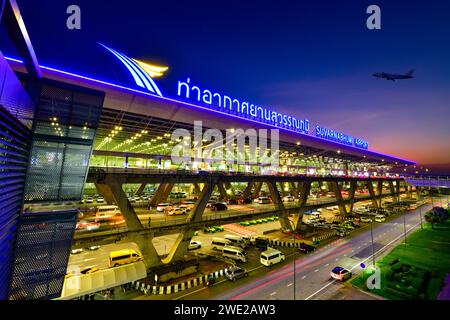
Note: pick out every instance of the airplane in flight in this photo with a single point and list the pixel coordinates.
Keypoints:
(393, 77)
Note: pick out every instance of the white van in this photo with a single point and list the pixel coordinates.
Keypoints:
(219, 243)
(263, 200)
(271, 256)
(107, 211)
(380, 218)
(234, 253)
(237, 240)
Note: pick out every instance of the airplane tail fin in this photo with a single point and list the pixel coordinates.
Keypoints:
(410, 72)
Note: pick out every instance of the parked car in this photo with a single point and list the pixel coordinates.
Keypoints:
(380, 218)
(245, 200)
(366, 219)
(340, 274)
(176, 211)
(306, 248)
(194, 245)
(93, 248)
(76, 251)
(235, 273)
(161, 207)
(342, 232)
(89, 270)
(219, 206)
(263, 200)
(288, 198)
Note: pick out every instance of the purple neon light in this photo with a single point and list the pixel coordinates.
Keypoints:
(109, 84)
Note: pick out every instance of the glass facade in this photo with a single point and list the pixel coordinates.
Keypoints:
(64, 131)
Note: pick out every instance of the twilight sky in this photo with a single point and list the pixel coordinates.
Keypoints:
(313, 59)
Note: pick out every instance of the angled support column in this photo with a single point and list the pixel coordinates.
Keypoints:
(141, 189)
(199, 208)
(393, 191)
(334, 187)
(379, 192)
(372, 194)
(180, 247)
(258, 186)
(228, 186)
(351, 196)
(105, 191)
(167, 191)
(124, 205)
(248, 189)
(281, 188)
(222, 190)
(304, 187)
(419, 193)
(196, 189)
(158, 194)
(293, 189)
(145, 244)
(278, 203)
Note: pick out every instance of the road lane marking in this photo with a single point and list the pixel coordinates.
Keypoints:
(273, 293)
(304, 277)
(289, 284)
(381, 249)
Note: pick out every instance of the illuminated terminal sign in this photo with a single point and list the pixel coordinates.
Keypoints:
(143, 74)
(241, 108)
(340, 137)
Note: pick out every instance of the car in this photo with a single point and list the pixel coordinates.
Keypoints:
(176, 211)
(288, 198)
(366, 219)
(340, 274)
(161, 207)
(209, 230)
(245, 200)
(244, 223)
(263, 200)
(194, 245)
(253, 222)
(235, 273)
(380, 218)
(93, 248)
(342, 232)
(219, 228)
(100, 200)
(219, 206)
(259, 221)
(76, 251)
(306, 248)
(89, 270)
(90, 200)
(185, 207)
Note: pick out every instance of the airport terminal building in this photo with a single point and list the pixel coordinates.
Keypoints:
(58, 126)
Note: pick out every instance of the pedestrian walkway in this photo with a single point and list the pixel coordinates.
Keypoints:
(235, 228)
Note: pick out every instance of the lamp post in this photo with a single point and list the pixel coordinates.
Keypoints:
(373, 248)
(404, 227)
(420, 214)
(293, 248)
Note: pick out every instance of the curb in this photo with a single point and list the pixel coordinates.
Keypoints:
(161, 290)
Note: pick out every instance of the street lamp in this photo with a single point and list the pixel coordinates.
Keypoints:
(404, 226)
(294, 251)
(373, 248)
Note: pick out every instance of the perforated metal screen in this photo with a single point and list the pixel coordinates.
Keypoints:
(42, 251)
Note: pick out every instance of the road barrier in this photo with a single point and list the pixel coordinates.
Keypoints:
(324, 236)
(174, 288)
